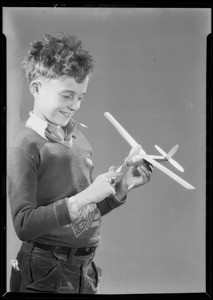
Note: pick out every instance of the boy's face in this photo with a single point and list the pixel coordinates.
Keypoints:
(58, 99)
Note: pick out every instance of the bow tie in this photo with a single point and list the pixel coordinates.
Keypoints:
(61, 135)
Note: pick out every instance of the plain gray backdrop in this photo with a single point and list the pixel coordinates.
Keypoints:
(151, 76)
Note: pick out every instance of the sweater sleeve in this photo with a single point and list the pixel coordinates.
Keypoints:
(110, 203)
(30, 220)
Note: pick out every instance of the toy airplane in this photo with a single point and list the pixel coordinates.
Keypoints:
(152, 159)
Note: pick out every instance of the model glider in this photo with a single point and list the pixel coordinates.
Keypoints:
(139, 153)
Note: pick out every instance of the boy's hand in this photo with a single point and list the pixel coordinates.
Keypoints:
(101, 188)
(137, 175)
(137, 160)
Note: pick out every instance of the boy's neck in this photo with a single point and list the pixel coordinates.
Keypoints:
(37, 113)
(41, 116)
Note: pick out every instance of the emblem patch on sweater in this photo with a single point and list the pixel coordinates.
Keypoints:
(87, 219)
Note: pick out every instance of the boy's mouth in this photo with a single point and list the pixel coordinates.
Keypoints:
(66, 114)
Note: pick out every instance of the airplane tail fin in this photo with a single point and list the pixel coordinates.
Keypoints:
(172, 152)
(169, 155)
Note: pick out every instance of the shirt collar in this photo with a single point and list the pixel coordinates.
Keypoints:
(39, 125)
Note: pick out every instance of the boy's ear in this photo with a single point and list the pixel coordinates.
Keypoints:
(35, 87)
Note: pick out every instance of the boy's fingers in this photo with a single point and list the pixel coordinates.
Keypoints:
(143, 171)
(113, 189)
(151, 166)
(148, 166)
(112, 174)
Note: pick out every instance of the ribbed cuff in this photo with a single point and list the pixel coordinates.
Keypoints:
(114, 202)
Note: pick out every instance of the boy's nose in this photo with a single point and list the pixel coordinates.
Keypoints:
(75, 106)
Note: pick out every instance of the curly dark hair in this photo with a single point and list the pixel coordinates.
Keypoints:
(57, 56)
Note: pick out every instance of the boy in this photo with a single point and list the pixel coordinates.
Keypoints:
(56, 206)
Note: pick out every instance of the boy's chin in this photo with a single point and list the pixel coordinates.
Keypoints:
(61, 123)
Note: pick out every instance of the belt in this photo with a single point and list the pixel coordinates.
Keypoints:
(66, 250)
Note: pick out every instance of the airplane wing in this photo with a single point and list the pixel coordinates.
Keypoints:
(158, 157)
(167, 172)
(122, 131)
(133, 143)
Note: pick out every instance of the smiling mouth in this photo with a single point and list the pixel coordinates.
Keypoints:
(66, 114)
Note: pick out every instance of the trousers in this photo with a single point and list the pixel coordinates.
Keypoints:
(42, 271)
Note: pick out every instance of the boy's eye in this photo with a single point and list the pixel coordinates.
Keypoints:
(72, 97)
(68, 96)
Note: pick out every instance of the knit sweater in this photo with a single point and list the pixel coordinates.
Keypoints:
(41, 175)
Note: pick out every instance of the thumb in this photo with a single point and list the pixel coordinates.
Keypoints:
(135, 160)
(112, 169)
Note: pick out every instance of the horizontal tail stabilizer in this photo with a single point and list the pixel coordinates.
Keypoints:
(168, 172)
(169, 155)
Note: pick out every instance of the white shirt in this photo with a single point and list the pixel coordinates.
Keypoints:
(37, 124)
